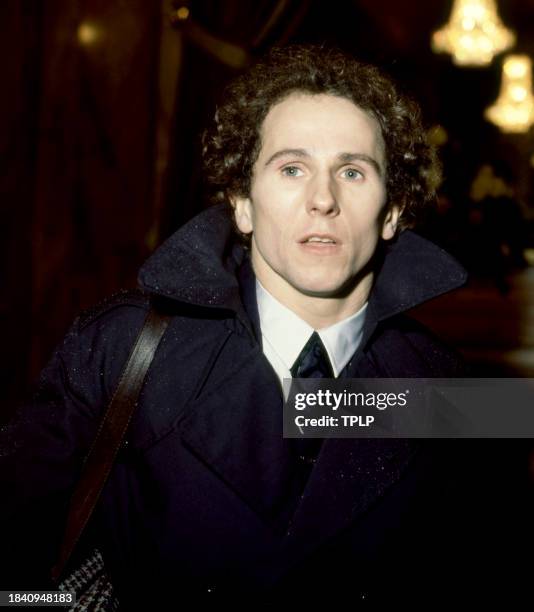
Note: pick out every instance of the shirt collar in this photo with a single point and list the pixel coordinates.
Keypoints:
(340, 340)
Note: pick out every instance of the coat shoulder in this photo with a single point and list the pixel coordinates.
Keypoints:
(123, 299)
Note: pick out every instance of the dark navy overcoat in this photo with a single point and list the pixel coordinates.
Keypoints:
(202, 499)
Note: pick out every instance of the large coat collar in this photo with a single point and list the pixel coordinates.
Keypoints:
(198, 265)
(234, 424)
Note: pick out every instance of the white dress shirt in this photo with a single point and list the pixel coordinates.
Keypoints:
(284, 335)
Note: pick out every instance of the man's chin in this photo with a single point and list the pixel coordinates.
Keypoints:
(334, 288)
(321, 290)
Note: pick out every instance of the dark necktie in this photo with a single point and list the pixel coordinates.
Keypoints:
(313, 362)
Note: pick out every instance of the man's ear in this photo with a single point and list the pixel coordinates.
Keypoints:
(242, 213)
(389, 226)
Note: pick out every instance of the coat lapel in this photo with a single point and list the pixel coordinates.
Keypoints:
(235, 428)
(348, 477)
(350, 474)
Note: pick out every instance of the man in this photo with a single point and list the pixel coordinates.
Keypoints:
(320, 163)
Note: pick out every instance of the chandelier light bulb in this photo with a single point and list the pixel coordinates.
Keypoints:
(513, 111)
(474, 33)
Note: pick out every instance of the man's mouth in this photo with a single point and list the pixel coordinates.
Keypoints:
(319, 239)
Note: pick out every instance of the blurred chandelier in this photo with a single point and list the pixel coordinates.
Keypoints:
(514, 109)
(474, 33)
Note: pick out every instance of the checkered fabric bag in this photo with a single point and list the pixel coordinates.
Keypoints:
(94, 591)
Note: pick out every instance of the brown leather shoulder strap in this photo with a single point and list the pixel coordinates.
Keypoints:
(110, 435)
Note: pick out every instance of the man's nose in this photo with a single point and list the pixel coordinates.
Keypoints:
(322, 196)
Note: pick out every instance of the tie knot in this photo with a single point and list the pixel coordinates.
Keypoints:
(313, 361)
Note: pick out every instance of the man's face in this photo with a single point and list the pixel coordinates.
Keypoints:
(317, 205)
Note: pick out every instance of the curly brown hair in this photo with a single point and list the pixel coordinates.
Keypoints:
(232, 143)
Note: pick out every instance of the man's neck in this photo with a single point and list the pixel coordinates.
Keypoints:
(319, 312)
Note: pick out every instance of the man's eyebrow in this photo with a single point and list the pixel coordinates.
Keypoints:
(287, 152)
(343, 157)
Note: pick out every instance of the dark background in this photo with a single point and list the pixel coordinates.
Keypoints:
(102, 107)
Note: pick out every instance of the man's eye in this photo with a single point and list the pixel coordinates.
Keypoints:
(353, 174)
(291, 171)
